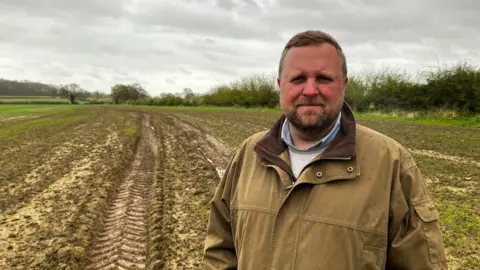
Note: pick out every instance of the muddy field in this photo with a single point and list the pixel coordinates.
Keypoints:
(128, 188)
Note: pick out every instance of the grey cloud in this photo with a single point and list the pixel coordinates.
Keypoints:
(68, 10)
(237, 5)
(387, 25)
(193, 18)
(224, 70)
(184, 71)
(55, 68)
(225, 4)
(316, 5)
(170, 81)
(406, 21)
(124, 78)
(252, 3)
(201, 45)
(209, 40)
(203, 42)
(211, 56)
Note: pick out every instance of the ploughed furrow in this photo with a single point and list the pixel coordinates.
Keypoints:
(188, 182)
(121, 241)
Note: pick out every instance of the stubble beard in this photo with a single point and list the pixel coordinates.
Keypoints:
(322, 122)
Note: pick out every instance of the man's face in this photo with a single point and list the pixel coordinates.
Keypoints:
(312, 87)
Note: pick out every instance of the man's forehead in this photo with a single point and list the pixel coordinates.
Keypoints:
(326, 48)
(298, 57)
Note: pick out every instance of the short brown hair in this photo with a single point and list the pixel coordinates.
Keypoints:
(313, 37)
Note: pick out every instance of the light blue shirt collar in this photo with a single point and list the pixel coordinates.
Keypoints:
(322, 143)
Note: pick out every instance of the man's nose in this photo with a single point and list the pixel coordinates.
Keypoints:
(311, 88)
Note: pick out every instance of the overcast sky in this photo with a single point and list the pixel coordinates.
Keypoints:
(169, 45)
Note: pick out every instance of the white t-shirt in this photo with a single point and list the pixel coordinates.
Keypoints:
(300, 158)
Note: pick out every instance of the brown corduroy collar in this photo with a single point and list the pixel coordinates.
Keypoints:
(271, 145)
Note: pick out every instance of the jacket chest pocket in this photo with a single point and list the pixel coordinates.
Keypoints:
(338, 246)
(344, 205)
(373, 258)
(337, 220)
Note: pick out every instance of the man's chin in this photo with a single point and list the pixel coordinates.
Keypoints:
(310, 111)
(308, 123)
(311, 120)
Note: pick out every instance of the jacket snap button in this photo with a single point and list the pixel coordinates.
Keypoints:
(350, 169)
(319, 174)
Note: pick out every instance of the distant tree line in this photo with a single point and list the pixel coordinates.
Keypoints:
(253, 91)
(256, 90)
(123, 93)
(455, 88)
(72, 92)
(25, 88)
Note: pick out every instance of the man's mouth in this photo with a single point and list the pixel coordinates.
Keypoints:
(309, 105)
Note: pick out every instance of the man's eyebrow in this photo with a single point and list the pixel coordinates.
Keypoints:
(322, 73)
(326, 74)
(296, 74)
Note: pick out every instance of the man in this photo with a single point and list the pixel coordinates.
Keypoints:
(319, 191)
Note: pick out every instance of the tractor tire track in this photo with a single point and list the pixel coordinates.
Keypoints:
(122, 239)
(23, 117)
(157, 217)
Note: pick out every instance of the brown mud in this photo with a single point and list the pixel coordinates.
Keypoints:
(28, 231)
(122, 236)
(434, 154)
(105, 200)
(157, 217)
(190, 173)
(20, 189)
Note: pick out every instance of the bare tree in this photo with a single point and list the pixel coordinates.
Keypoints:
(72, 91)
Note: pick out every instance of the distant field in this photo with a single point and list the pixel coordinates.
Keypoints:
(68, 170)
(26, 97)
(10, 113)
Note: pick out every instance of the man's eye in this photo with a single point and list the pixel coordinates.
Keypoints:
(323, 79)
(297, 79)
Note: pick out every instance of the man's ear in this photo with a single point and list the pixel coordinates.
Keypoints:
(278, 82)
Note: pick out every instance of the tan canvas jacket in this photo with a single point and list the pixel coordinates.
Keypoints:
(363, 204)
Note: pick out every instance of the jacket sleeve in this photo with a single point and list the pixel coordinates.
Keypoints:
(415, 237)
(219, 250)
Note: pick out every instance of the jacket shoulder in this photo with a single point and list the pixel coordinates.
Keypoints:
(366, 133)
(371, 142)
(246, 147)
(249, 142)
